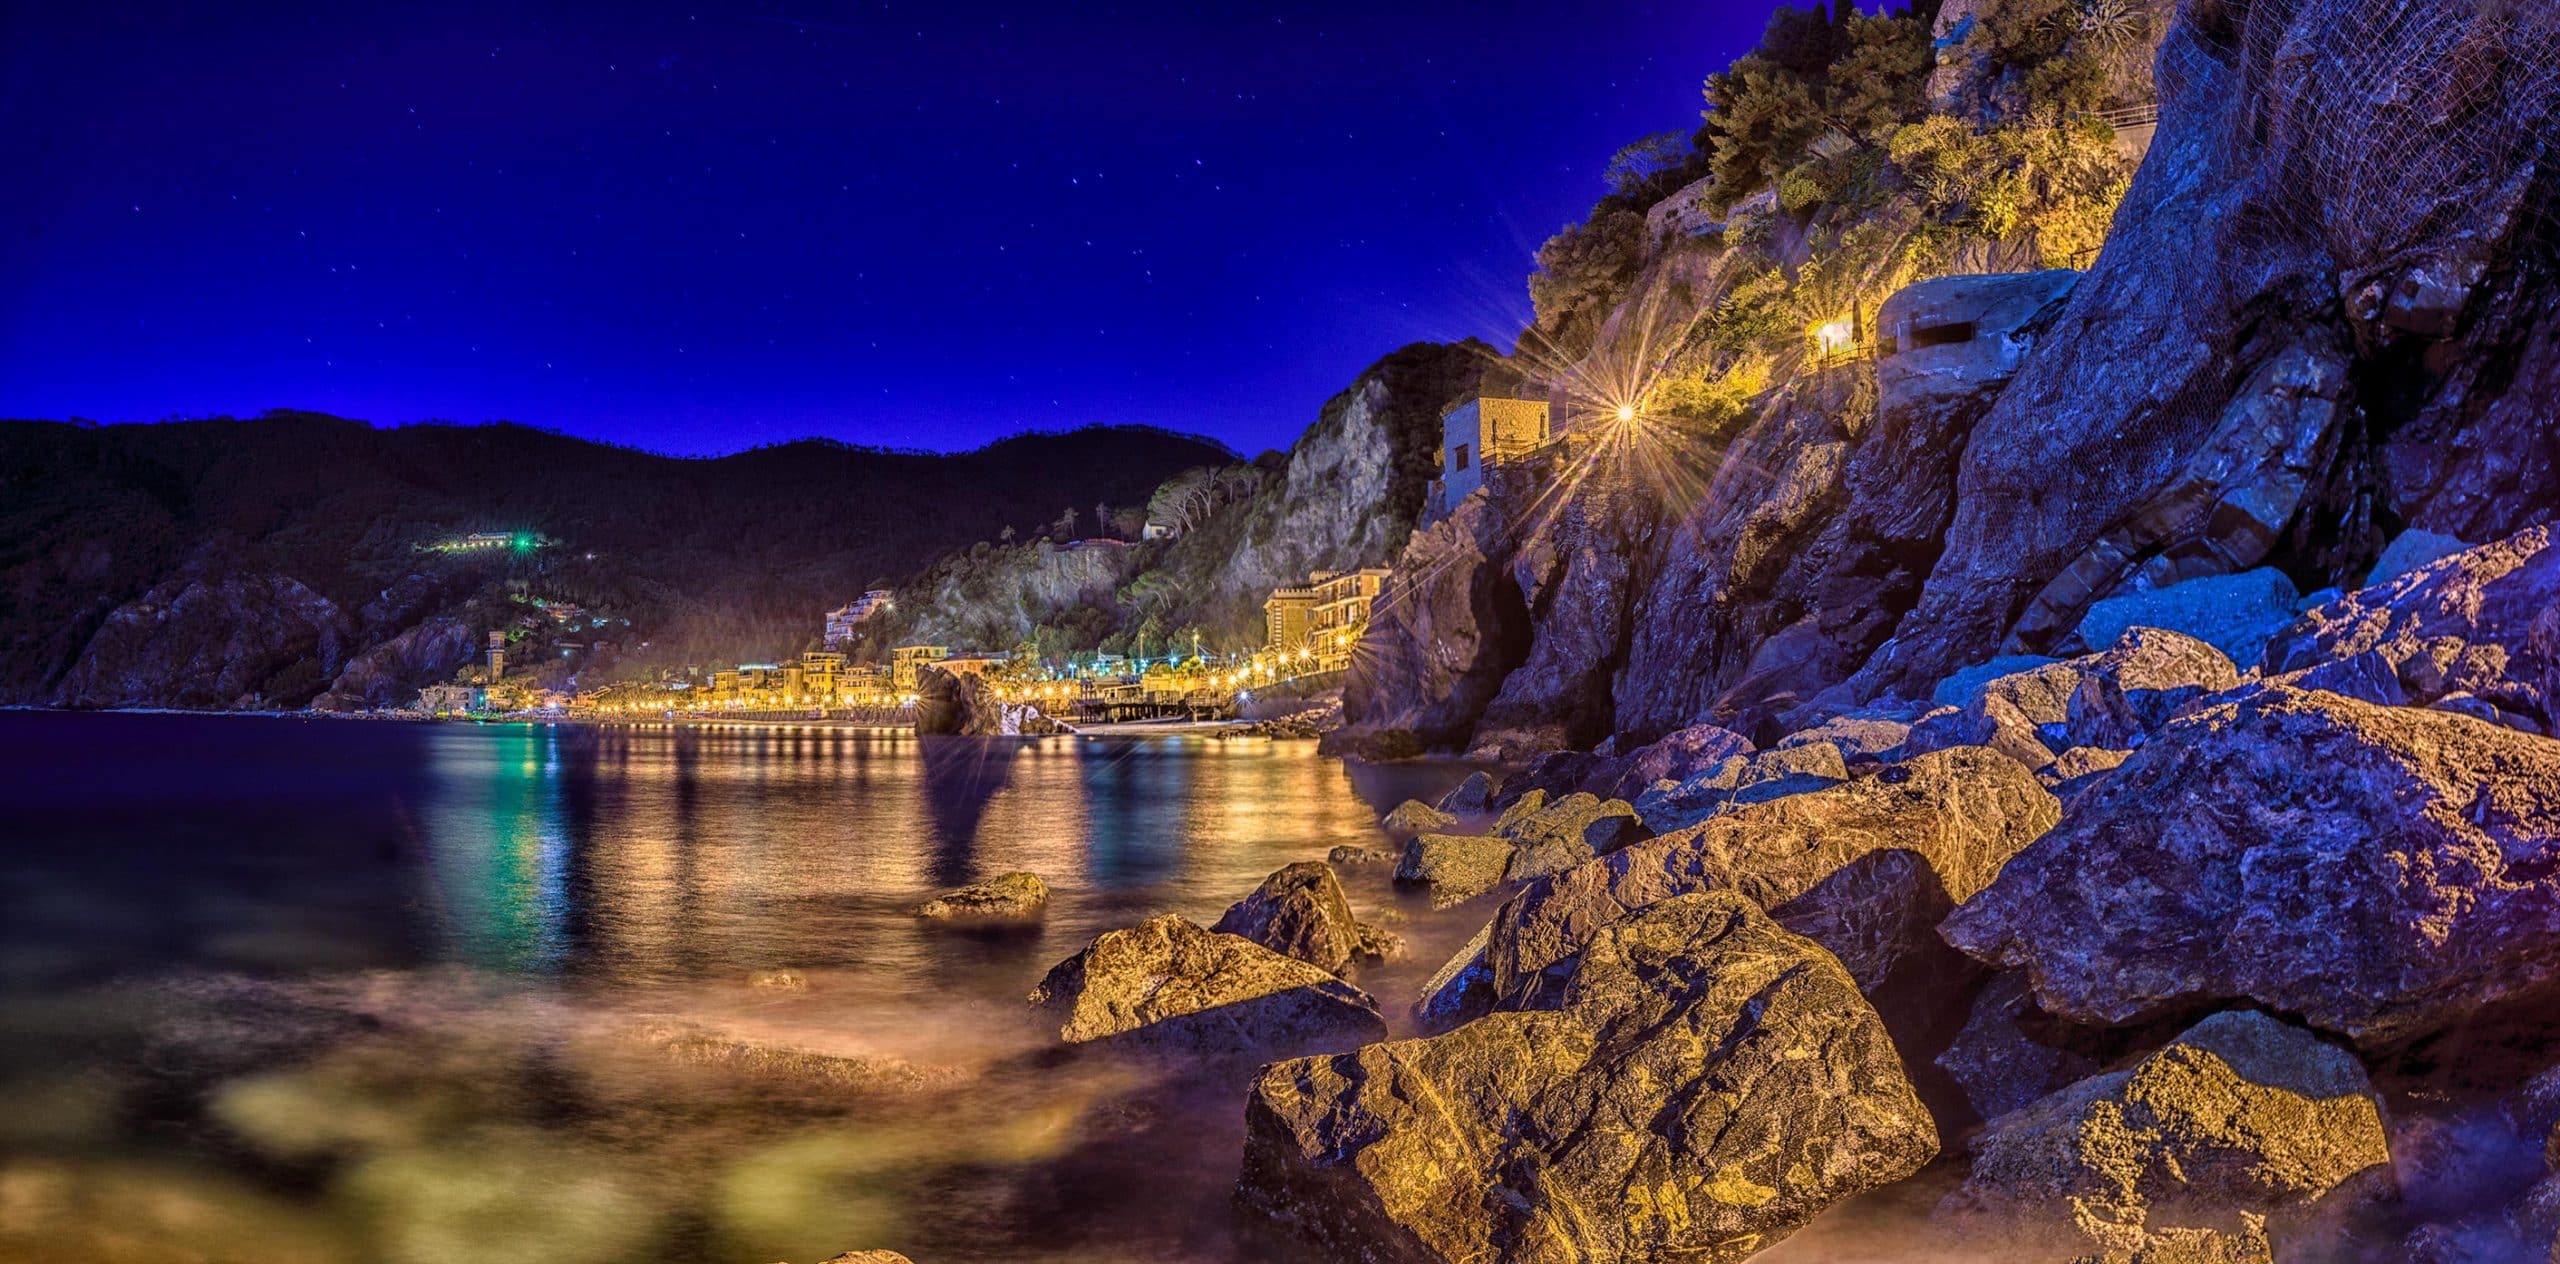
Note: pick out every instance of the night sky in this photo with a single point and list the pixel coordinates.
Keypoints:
(697, 229)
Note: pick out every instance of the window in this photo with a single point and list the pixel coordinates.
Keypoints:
(1458, 458)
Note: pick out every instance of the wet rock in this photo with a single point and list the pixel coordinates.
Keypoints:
(749, 1058)
(2235, 614)
(1379, 945)
(1710, 1083)
(2380, 871)
(1300, 911)
(1460, 991)
(867, 1257)
(1961, 812)
(1167, 987)
(1349, 854)
(1007, 899)
(1471, 797)
(1744, 779)
(1413, 817)
(2464, 624)
(778, 981)
(2148, 677)
(1455, 867)
(2236, 1130)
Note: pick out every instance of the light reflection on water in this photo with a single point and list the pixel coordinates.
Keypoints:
(297, 990)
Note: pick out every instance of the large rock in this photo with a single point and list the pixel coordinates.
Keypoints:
(1676, 757)
(1710, 1083)
(1460, 991)
(1551, 836)
(1743, 779)
(1413, 817)
(1007, 899)
(1455, 868)
(1959, 813)
(2234, 614)
(2465, 624)
(2235, 1130)
(960, 703)
(1470, 797)
(1165, 986)
(1300, 911)
(2009, 1053)
(2141, 683)
(2380, 871)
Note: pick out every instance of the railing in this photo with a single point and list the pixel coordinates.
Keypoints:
(2123, 116)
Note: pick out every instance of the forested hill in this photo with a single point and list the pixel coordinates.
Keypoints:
(205, 541)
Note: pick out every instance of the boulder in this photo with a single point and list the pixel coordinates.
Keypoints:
(1460, 991)
(1471, 797)
(1413, 817)
(2236, 1130)
(2010, 1053)
(1573, 828)
(2367, 677)
(1961, 813)
(1167, 987)
(2235, 614)
(2380, 871)
(1455, 867)
(2079, 768)
(1710, 1083)
(1006, 899)
(2485, 711)
(1994, 720)
(1352, 854)
(2409, 551)
(1960, 687)
(953, 702)
(1743, 779)
(1300, 911)
(2138, 685)
(1676, 757)
(1856, 735)
(2464, 624)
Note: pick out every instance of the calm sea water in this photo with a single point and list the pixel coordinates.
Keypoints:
(279, 990)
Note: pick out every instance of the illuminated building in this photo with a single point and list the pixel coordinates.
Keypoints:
(1487, 430)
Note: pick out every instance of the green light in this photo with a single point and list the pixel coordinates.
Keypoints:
(524, 542)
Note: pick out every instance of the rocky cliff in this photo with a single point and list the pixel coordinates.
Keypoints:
(2327, 314)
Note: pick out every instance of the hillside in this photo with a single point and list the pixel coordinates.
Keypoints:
(249, 562)
(1346, 495)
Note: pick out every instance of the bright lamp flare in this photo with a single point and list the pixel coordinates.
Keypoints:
(1626, 412)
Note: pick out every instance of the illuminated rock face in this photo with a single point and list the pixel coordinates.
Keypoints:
(2384, 872)
(1710, 1083)
(2239, 1126)
(1167, 988)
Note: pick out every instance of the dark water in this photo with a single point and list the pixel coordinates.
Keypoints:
(281, 990)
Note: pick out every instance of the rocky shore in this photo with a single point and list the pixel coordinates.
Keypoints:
(2166, 957)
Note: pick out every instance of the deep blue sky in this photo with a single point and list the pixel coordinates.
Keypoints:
(697, 229)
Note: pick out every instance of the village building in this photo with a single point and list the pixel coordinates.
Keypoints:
(842, 621)
(905, 659)
(1155, 530)
(1485, 431)
(1286, 617)
(452, 700)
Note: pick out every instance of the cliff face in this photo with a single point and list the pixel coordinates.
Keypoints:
(2328, 312)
